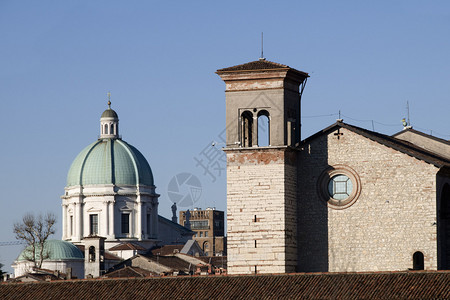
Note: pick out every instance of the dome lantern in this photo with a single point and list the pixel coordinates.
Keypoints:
(109, 123)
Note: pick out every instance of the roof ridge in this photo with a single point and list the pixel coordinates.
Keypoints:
(389, 141)
(404, 143)
(261, 64)
(438, 139)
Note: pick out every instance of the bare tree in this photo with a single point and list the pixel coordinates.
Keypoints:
(34, 231)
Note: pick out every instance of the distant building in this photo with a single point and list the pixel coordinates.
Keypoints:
(60, 256)
(209, 229)
(109, 203)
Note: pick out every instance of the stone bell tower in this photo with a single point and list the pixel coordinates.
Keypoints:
(263, 129)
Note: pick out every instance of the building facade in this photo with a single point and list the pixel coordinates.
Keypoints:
(345, 199)
(208, 227)
(110, 201)
(110, 191)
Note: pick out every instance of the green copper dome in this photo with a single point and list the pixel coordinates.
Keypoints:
(56, 250)
(110, 161)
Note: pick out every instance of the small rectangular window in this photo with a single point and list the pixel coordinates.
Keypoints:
(201, 233)
(148, 224)
(206, 233)
(125, 223)
(93, 222)
(255, 243)
(71, 225)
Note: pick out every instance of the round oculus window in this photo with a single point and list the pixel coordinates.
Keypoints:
(339, 186)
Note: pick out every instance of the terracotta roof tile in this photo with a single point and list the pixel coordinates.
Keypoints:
(172, 262)
(395, 285)
(255, 65)
(130, 271)
(127, 246)
(167, 250)
(216, 261)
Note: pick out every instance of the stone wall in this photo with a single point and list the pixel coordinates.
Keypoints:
(261, 213)
(393, 217)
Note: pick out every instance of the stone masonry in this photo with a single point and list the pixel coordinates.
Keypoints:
(261, 192)
(344, 200)
(394, 216)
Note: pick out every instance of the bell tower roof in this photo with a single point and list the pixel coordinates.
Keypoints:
(109, 123)
(259, 65)
(109, 113)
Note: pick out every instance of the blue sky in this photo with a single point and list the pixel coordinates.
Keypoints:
(58, 59)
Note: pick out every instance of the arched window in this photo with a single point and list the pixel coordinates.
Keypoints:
(112, 129)
(418, 261)
(106, 128)
(246, 129)
(91, 254)
(263, 128)
(206, 248)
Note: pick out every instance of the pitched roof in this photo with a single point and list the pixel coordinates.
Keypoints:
(387, 285)
(191, 244)
(258, 65)
(422, 134)
(172, 262)
(35, 277)
(388, 141)
(127, 246)
(130, 271)
(155, 263)
(216, 261)
(167, 250)
(176, 226)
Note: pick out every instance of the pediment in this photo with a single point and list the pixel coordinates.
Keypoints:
(125, 208)
(94, 209)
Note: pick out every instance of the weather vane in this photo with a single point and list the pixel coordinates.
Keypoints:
(109, 99)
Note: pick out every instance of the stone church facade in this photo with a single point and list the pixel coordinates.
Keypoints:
(345, 199)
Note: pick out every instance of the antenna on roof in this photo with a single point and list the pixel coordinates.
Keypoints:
(407, 109)
(262, 47)
(406, 124)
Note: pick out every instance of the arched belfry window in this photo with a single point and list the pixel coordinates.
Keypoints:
(418, 261)
(106, 128)
(112, 129)
(246, 129)
(263, 128)
(91, 254)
